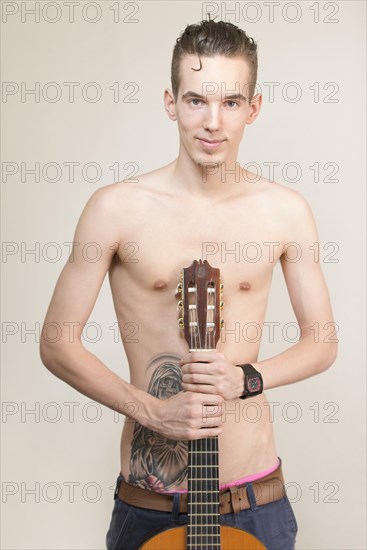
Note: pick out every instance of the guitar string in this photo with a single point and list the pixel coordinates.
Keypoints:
(198, 444)
(205, 456)
(210, 455)
(193, 447)
(213, 443)
(215, 529)
(209, 496)
(209, 447)
(194, 443)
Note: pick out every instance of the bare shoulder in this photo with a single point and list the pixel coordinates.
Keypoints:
(104, 199)
(108, 195)
(288, 205)
(113, 196)
(286, 210)
(135, 187)
(154, 181)
(283, 197)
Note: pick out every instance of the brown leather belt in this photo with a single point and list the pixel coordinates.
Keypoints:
(266, 489)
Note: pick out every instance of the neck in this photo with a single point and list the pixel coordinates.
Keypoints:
(217, 180)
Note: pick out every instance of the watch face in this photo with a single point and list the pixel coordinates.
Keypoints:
(253, 383)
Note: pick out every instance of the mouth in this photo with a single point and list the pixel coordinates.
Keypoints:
(210, 144)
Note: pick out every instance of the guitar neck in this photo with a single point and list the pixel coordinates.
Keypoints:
(203, 494)
(201, 291)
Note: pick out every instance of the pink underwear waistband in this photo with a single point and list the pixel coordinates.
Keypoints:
(253, 477)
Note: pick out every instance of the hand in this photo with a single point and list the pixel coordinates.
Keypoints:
(188, 415)
(211, 372)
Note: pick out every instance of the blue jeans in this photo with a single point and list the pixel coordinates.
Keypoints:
(274, 524)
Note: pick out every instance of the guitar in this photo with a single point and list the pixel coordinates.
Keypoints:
(201, 303)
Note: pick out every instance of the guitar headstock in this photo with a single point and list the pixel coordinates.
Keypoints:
(201, 304)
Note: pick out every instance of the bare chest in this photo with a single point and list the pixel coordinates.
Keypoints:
(243, 242)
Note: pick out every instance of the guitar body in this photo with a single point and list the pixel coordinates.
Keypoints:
(231, 538)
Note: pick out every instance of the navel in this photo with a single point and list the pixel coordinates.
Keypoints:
(158, 285)
(245, 285)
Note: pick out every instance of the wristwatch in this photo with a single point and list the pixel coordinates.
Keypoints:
(253, 381)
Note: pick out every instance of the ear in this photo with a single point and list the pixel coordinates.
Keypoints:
(255, 106)
(169, 104)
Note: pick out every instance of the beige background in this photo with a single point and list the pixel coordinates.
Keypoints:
(319, 423)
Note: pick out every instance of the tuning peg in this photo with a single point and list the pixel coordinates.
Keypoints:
(221, 286)
(221, 305)
(181, 323)
(221, 323)
(179, 288)
(180, 305)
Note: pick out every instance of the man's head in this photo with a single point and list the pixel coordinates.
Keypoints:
(212, 96)
(210, 38)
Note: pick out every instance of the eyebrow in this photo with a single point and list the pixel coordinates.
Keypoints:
(227, 96)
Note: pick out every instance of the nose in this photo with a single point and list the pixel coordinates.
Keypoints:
(212, 119)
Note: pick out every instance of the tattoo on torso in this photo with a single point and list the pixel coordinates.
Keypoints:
(156, 462)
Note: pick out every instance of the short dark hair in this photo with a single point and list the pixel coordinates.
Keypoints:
(209, 38)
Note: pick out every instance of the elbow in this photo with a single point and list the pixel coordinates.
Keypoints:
(52, 354)
(330, 356)
(46, 355)
(57, 356)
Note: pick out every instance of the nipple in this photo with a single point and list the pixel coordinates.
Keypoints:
(158, 285)
(245, 285)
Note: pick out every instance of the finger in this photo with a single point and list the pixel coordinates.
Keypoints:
(213, 412)
(199, 388)
(198, 368)
(197, 378)
(200, 356)
(214, 399)
(211, 421)
(202, 398)
(184, 359)
(201, 421)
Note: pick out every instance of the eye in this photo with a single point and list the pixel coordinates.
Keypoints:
(194, 99)
(232, 101)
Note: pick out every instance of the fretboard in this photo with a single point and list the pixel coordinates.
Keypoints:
(203, 531)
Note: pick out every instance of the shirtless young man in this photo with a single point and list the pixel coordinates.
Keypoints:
(147, 232)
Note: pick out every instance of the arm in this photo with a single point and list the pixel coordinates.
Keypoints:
(73, 299)
(76, 291)
(317, 347)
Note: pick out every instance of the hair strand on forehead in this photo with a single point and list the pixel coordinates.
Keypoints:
(210, 38)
